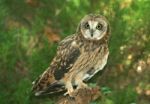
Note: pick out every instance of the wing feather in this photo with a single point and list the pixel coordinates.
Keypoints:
(65, 57)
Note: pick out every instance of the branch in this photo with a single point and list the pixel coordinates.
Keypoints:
(81, 96)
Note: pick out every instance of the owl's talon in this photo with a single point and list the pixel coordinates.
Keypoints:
(69, 88)
(69, 93)
(65, 94)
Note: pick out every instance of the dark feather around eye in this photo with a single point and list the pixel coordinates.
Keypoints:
(86, 25)
(99, 26)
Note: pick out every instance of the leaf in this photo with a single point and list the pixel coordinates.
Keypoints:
(108, 101)
(106, 90)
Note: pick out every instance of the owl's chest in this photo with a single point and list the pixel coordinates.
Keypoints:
(101, 62)
(92, 59)
(98, 64)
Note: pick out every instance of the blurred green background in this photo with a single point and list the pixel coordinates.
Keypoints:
(31, 29)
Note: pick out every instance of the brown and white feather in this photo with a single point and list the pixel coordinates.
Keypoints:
(77, 59)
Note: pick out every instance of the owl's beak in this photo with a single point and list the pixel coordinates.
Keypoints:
(92, 31)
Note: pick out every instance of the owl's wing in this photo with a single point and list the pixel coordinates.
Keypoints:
(49, 81)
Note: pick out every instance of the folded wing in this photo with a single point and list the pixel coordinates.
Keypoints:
(50, 80)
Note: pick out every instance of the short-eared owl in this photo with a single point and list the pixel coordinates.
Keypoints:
(79, 57)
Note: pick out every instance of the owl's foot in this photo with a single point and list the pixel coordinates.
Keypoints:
(70, 90)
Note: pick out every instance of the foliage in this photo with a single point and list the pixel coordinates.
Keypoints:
(30, 30)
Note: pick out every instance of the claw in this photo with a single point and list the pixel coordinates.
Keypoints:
(69, 92)
(69, 88)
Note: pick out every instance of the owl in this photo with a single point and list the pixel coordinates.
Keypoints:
(78, 58)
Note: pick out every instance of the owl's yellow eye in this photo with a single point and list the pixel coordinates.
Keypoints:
(87, 26)
(99, 26)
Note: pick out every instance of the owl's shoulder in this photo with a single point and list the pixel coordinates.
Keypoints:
(67, 40)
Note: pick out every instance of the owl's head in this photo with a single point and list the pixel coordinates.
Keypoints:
(93, 27)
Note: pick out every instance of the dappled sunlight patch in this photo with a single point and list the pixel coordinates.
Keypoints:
(141, 66)
(130, 56)
(139, 90)
(122, 49)
(147, 92)
(125, 4)
(143, 89)
(139, 69)
(148, 60)
(128, 61)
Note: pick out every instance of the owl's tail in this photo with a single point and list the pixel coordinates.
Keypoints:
(54, 88)
(46, 84)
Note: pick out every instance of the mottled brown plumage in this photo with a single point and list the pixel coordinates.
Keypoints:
(78, 58)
